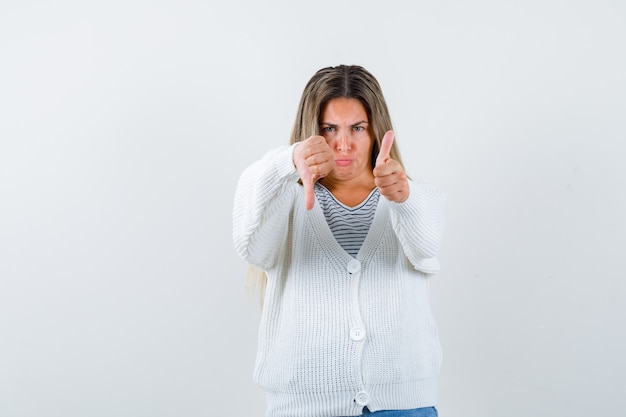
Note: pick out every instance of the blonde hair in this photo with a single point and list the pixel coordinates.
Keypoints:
(343, 81)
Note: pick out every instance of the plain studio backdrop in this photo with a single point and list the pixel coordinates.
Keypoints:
(124, 127)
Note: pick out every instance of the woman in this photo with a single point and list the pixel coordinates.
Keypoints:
(347, 243)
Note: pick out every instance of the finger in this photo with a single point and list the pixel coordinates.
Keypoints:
(385, 148)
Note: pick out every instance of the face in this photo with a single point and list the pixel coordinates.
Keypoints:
(345, 126)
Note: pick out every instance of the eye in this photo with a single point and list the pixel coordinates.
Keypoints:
(358, 128)
(328, 129)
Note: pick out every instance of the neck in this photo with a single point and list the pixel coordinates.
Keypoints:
(350, 192)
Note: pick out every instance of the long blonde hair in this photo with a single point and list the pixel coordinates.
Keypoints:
(343, 81)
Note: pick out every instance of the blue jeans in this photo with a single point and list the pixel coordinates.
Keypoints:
(416, 412)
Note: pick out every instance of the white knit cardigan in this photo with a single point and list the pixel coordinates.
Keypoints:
(338, 333)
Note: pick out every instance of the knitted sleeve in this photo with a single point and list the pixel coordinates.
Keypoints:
(263, 199)
(418, 222)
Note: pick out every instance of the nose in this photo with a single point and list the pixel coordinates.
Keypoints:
(343, 143)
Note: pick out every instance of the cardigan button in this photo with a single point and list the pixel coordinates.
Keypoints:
(362, 398)
(357, 334)
(354, 266)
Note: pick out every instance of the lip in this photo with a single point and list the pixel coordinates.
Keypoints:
(343, 162)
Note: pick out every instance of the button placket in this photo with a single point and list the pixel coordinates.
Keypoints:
(357, 332)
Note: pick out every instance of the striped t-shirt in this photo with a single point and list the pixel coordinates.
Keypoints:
(348, 224)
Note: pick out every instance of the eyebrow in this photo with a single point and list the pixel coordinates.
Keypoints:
(352, 125)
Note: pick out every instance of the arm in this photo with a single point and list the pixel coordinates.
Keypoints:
(417, 210)
(264, 197)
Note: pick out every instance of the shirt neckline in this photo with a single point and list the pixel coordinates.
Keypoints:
(354, 208)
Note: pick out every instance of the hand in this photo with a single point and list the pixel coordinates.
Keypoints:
(313, 159)
(389, 176)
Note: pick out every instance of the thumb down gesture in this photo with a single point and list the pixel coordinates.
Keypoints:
(389, 176)
(313, 159)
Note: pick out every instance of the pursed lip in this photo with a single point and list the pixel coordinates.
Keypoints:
(343, 161)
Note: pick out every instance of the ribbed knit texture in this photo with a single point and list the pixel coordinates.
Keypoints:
(339, 332)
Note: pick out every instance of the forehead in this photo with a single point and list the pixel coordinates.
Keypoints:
(348, 110)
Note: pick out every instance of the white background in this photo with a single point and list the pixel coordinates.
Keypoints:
(124, 126)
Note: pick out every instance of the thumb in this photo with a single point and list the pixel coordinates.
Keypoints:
(309, 194)
(385, 148)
